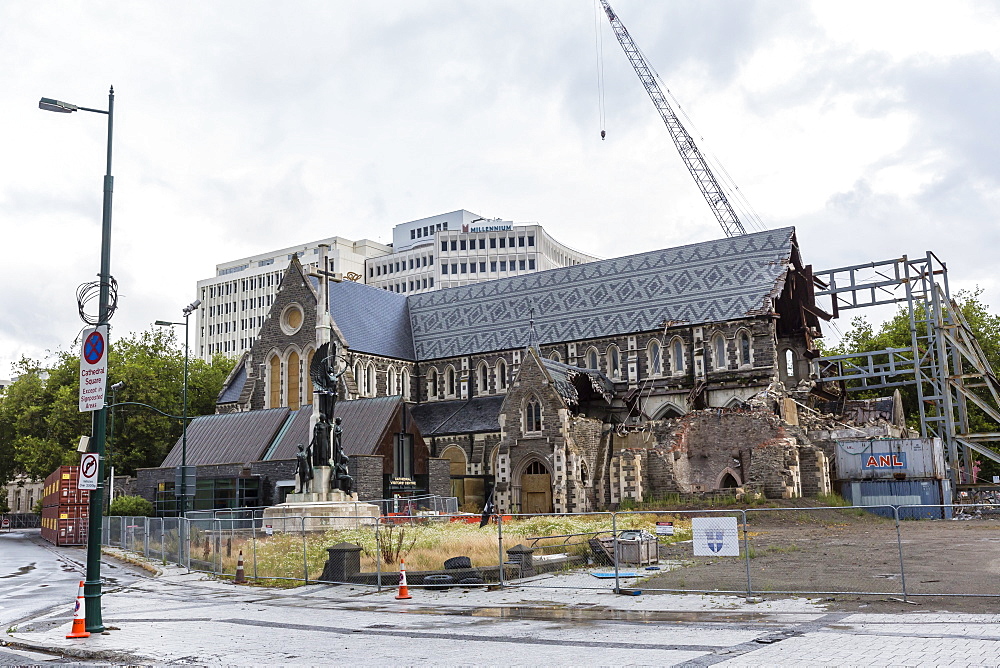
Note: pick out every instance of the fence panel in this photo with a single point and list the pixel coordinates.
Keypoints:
(834, 550)
(696, 551)
(530, 545)
(951, 557)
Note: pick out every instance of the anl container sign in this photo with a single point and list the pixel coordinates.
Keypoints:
(891, 459)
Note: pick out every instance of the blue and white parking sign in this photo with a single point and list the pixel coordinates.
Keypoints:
(716, 536)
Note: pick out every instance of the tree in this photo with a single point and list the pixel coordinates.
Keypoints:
(40, 423)
(131, 506)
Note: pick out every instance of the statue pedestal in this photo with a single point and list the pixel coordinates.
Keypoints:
(320, 510)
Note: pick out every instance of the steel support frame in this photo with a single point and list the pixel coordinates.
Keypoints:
(944, 362)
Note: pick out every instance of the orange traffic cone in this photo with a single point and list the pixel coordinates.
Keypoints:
(79, 617)
(404, 592)
(240, 576)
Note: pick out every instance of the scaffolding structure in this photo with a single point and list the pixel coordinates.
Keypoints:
(944, 363)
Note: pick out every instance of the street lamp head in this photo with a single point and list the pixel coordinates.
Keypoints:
(190, 308)
(163, 323)
(48, 104)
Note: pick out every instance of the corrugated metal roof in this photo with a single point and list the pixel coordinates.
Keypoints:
(373, 320)
(476, 415)
(229, 438)
(364, 422)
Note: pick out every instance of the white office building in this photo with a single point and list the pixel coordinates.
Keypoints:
(461, 248)
(442, 251)
(235, 301)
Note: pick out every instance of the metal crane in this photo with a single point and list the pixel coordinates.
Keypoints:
(690, 154)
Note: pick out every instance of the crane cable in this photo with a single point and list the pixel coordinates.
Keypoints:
(599, 49)
(734, 194)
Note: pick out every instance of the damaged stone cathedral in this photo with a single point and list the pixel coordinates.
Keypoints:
(677, 371)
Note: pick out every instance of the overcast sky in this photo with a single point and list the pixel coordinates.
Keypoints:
(243, 127)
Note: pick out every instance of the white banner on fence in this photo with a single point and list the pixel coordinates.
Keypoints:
(716, 536)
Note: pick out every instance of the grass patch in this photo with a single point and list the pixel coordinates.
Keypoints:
(424, 546)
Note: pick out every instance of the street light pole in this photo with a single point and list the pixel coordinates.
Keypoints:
(188, 310)
(92, 585)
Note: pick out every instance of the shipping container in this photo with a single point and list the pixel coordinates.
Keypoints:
(66, 525)
(901, 493)
(60, 488)
(891, 459)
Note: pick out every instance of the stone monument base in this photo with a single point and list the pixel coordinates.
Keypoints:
(318, 511)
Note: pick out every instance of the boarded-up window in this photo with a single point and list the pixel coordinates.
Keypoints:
(293, 381)
(274, 377)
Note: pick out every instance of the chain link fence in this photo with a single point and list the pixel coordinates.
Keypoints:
(864, 551)
(20, 520)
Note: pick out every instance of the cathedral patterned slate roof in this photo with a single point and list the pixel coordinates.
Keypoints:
(716, 280)
(723, 279)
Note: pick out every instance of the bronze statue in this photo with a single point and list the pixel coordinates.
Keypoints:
(341, 478)
(320, 445)
(303, 471)
(326, 378)
(327, 446)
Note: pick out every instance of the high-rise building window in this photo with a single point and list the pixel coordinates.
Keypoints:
(444, 245)
(493, 242)
(444, 268)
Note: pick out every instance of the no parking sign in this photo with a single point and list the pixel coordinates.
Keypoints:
(93, 368)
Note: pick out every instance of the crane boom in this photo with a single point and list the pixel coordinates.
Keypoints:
(690, 154)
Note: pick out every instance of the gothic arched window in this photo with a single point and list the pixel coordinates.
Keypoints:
(614, 362)
(654, 358)
(746, 349)
(484, 379)
(501, 376)
(405, 382)
(432, 383)
(719, 360)
(677, 357)
(292, 368)
(532, 415)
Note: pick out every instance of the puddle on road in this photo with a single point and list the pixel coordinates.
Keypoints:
(23, 570)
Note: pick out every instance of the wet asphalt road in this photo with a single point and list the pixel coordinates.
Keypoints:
(38, 578)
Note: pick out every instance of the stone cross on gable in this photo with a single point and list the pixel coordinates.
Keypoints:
(323, 273)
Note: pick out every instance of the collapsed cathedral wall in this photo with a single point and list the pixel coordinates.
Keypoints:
(695, 454)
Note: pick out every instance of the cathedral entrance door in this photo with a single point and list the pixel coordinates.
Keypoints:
(536, 489)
